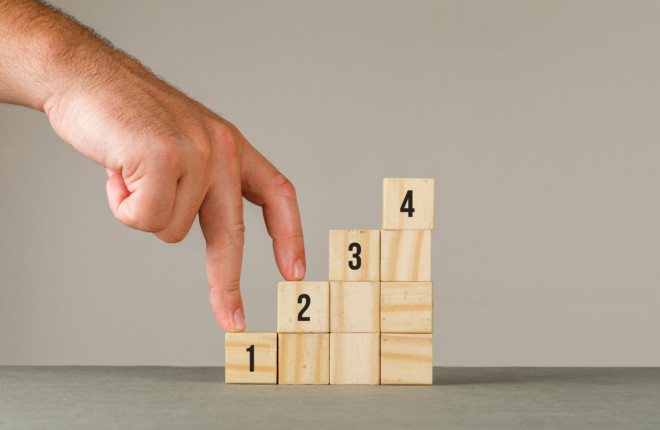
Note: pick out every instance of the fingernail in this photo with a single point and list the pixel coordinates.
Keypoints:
(239, 320)
(299, 270)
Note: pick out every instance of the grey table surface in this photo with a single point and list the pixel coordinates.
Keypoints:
(184, 397)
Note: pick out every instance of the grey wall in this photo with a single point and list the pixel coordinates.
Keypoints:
(539, 121)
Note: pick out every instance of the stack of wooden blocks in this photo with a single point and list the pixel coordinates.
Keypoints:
(371, 323)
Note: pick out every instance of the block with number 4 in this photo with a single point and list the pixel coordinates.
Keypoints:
(354, 255)
(303, 307)
(251, 358)
(408, 203)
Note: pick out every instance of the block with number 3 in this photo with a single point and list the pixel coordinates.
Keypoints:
(354, 255)
(251, 358)
(408, 203)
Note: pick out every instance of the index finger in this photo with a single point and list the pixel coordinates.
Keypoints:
(265, 186)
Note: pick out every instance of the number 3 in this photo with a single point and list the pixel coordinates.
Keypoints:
(358, 261)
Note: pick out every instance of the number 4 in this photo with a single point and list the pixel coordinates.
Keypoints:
(407, 205)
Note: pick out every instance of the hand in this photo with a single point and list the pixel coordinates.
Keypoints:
(169, 158)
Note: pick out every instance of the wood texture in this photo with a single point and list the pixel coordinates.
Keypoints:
(290, 303)
(405, 255)
(406, 359)
(354, 307)
(341, 258)
(406, 307)
(394, 193)
(237, 358)
(355, 358)
(304, 358)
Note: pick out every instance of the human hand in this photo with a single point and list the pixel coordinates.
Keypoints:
(169, 158)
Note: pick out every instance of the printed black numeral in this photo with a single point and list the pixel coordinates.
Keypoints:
(407, 205)
(251, 351)
(355, 265)
(307, 300)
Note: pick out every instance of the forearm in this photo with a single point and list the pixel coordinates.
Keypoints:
(43, 53)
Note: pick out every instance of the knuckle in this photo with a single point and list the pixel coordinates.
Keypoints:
(235, 235)
(173, 236)
(228, 139)
(232, 288)
(284, 188)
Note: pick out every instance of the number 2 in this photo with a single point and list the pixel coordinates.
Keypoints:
(307, 300)
(358, 261)
(251, 351)
(407, 205)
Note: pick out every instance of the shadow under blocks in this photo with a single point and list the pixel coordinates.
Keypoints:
(371, 323)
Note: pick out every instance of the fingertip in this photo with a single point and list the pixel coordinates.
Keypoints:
(299, 270)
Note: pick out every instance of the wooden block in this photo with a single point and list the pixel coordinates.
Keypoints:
(354, 307)
(406, 307)
(304, 358)
(408, 203)
(405, 255)
(406, 359)
(303, 307)
(354, 255)
(251, 358)
(355, 358)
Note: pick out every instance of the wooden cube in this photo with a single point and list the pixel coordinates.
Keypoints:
(406, 359)
(408, 203)
(354, 307)
(406, 307)
(303, 307)
(405, 255)
(354, 255)
(355, 358)
(304, 358)
(251, 358)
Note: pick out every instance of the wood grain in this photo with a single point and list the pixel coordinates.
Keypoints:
(354, 307)
(406, 307)
(237, 358)
(304, 358)
(406, 359)
(405, 255)
(394, 193)
(290, 304)
(355, 358)
(341, 257)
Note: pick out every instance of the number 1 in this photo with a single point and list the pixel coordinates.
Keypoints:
(251, 351)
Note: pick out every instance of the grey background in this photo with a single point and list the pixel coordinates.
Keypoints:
(538, 120)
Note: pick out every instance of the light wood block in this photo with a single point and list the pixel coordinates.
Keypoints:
(354, 307)
(405, 255)
(399, 213)
(354, 255)
(304, 358)
(406, 359)
(406, 307)
(251, 358)
(355, 358)
(303, 307)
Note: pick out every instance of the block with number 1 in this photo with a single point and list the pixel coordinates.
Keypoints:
(251, 358)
